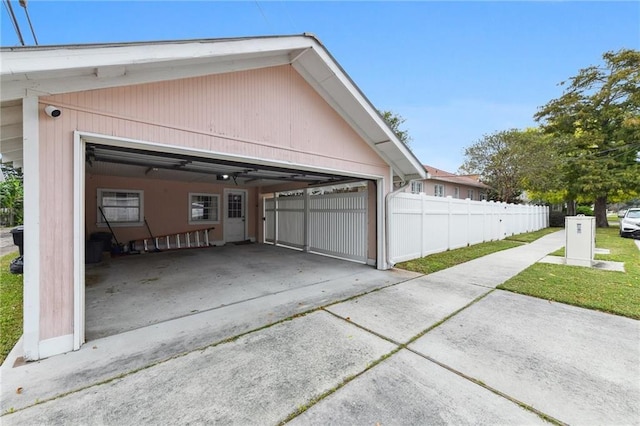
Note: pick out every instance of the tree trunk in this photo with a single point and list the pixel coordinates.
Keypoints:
(571, 208)
(600, 211)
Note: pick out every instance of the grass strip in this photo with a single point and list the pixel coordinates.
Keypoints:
(530, 237)
(438, 261)
(10, 306)
(607, 291)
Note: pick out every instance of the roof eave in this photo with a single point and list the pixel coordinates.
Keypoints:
(52, 70)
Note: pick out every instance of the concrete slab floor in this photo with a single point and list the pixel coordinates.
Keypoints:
(577, 365)
(104, 358)
(257, 379)
(126, 293)
(401, 312)
(604, 265)
(410, 390)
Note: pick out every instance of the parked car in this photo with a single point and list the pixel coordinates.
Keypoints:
(630, 223)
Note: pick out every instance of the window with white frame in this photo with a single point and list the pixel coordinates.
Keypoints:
(438, 190)
(121, 207)
(416, 187)
(470, 194)
(456, 192)
(204, 208)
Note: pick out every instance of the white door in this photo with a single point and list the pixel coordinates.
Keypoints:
(235, 215)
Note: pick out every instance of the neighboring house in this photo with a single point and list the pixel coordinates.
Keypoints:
(444, 184)
(187, 135)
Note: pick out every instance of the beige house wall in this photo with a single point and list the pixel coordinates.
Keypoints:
(428, 187)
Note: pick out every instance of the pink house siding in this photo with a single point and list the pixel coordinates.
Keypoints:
(270, 113)
(166, 206)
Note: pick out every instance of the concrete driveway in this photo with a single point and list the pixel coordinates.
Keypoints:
(428, 350)
(131, 292)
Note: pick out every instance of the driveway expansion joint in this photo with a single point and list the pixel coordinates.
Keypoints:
(528, 407)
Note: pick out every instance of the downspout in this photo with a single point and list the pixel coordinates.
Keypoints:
(387, 200)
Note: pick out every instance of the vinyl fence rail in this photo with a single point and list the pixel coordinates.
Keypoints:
(420, 224)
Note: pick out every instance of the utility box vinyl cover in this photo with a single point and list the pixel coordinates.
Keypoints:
(580, 240)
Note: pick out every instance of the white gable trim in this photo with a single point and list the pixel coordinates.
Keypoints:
(63, 69)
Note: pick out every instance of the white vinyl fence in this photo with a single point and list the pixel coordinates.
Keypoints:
(332, 224)
(420, 224)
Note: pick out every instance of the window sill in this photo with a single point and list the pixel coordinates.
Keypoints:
(120, 224)
(204, 222)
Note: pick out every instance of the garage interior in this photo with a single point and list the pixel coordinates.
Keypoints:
(126, 292)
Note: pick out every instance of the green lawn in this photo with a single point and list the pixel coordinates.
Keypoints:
(10, 307)
(532, 236)
(614, 292)
(437, 261)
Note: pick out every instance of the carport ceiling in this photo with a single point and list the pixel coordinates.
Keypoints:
(135, 163)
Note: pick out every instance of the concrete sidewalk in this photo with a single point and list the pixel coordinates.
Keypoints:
(442, 348)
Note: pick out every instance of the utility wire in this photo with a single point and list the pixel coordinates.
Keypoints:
(262, 12)
(14, 20)
(23, 3)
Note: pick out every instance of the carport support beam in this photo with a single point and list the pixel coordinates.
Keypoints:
(306, 245)
(31, 173)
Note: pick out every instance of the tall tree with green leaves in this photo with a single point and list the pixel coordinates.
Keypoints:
(395, 121)
(596, 129)
(510, 162)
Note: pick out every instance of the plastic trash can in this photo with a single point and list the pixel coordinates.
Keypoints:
(18, 238)
(104, 237)
(93, 251)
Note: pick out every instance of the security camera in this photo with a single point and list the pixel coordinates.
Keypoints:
(52, 111)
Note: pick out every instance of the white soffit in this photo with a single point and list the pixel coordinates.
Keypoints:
(61, 69)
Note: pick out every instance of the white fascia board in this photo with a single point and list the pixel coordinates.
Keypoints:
(337, 88)
(16, 89)
(24, 61)
(346, 117)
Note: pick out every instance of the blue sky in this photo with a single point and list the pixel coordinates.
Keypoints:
(454, 70)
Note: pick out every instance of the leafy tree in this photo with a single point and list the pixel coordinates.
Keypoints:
(12, 194)
(395, 121)
(509, 162)
(596, 129)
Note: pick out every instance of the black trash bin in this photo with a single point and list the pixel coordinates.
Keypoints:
(104, 237)
(93, 251)
(18, 238)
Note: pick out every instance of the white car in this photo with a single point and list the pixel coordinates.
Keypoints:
(630, 223)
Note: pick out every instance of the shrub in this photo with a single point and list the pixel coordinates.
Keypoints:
(585, 210)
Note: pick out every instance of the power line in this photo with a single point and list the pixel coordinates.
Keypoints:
(262, 12)
(7, 4)
(23, 3)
